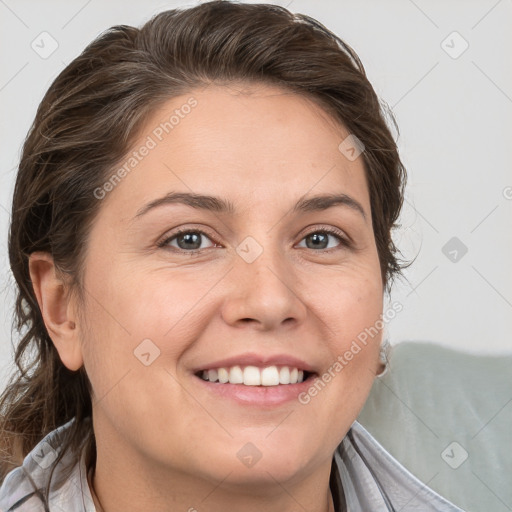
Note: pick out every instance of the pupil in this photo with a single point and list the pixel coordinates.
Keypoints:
(318, 237)
(189, 238)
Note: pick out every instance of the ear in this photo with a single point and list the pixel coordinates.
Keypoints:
(57, 307)
(383, 361)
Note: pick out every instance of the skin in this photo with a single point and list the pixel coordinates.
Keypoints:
(163, 442)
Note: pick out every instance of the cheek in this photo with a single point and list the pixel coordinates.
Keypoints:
(348, 302)
(363, 313)
(130, 311)
(352, 308)
(352, 318)
(363, 316)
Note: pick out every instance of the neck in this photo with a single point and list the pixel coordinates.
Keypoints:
(111, 494)
(285, 503)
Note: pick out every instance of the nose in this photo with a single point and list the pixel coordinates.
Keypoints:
(264, 293)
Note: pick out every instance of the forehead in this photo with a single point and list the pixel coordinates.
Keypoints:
(250, 143)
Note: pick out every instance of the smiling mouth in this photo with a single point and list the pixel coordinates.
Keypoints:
(255, 376)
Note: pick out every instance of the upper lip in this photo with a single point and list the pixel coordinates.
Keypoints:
(260, 360)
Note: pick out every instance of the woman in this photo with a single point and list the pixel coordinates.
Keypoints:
(201, 231)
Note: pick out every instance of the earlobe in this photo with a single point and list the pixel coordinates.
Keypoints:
(383, 361)
(381, 369)
(56, 305)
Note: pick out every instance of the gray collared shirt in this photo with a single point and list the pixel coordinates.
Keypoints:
(364, 478)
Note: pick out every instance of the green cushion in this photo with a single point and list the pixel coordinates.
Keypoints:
(446, 416)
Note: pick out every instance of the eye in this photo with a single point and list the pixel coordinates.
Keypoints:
(319, 239)
(190, 240)
(186, 240)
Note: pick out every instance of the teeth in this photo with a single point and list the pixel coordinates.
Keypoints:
(284, 375)
(223, 375)
(235, 375)
(270, 376)
(254, 376)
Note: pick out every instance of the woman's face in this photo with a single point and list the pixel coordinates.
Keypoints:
(261, 284)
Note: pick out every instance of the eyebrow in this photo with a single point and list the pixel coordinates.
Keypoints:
(216, 204)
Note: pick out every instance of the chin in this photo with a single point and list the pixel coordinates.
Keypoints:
(261, 462)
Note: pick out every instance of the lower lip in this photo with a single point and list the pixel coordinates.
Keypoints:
(257, 395)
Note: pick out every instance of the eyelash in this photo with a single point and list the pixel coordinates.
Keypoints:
(344, 242)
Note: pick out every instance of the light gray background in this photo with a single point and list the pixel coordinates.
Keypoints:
(455, 119)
